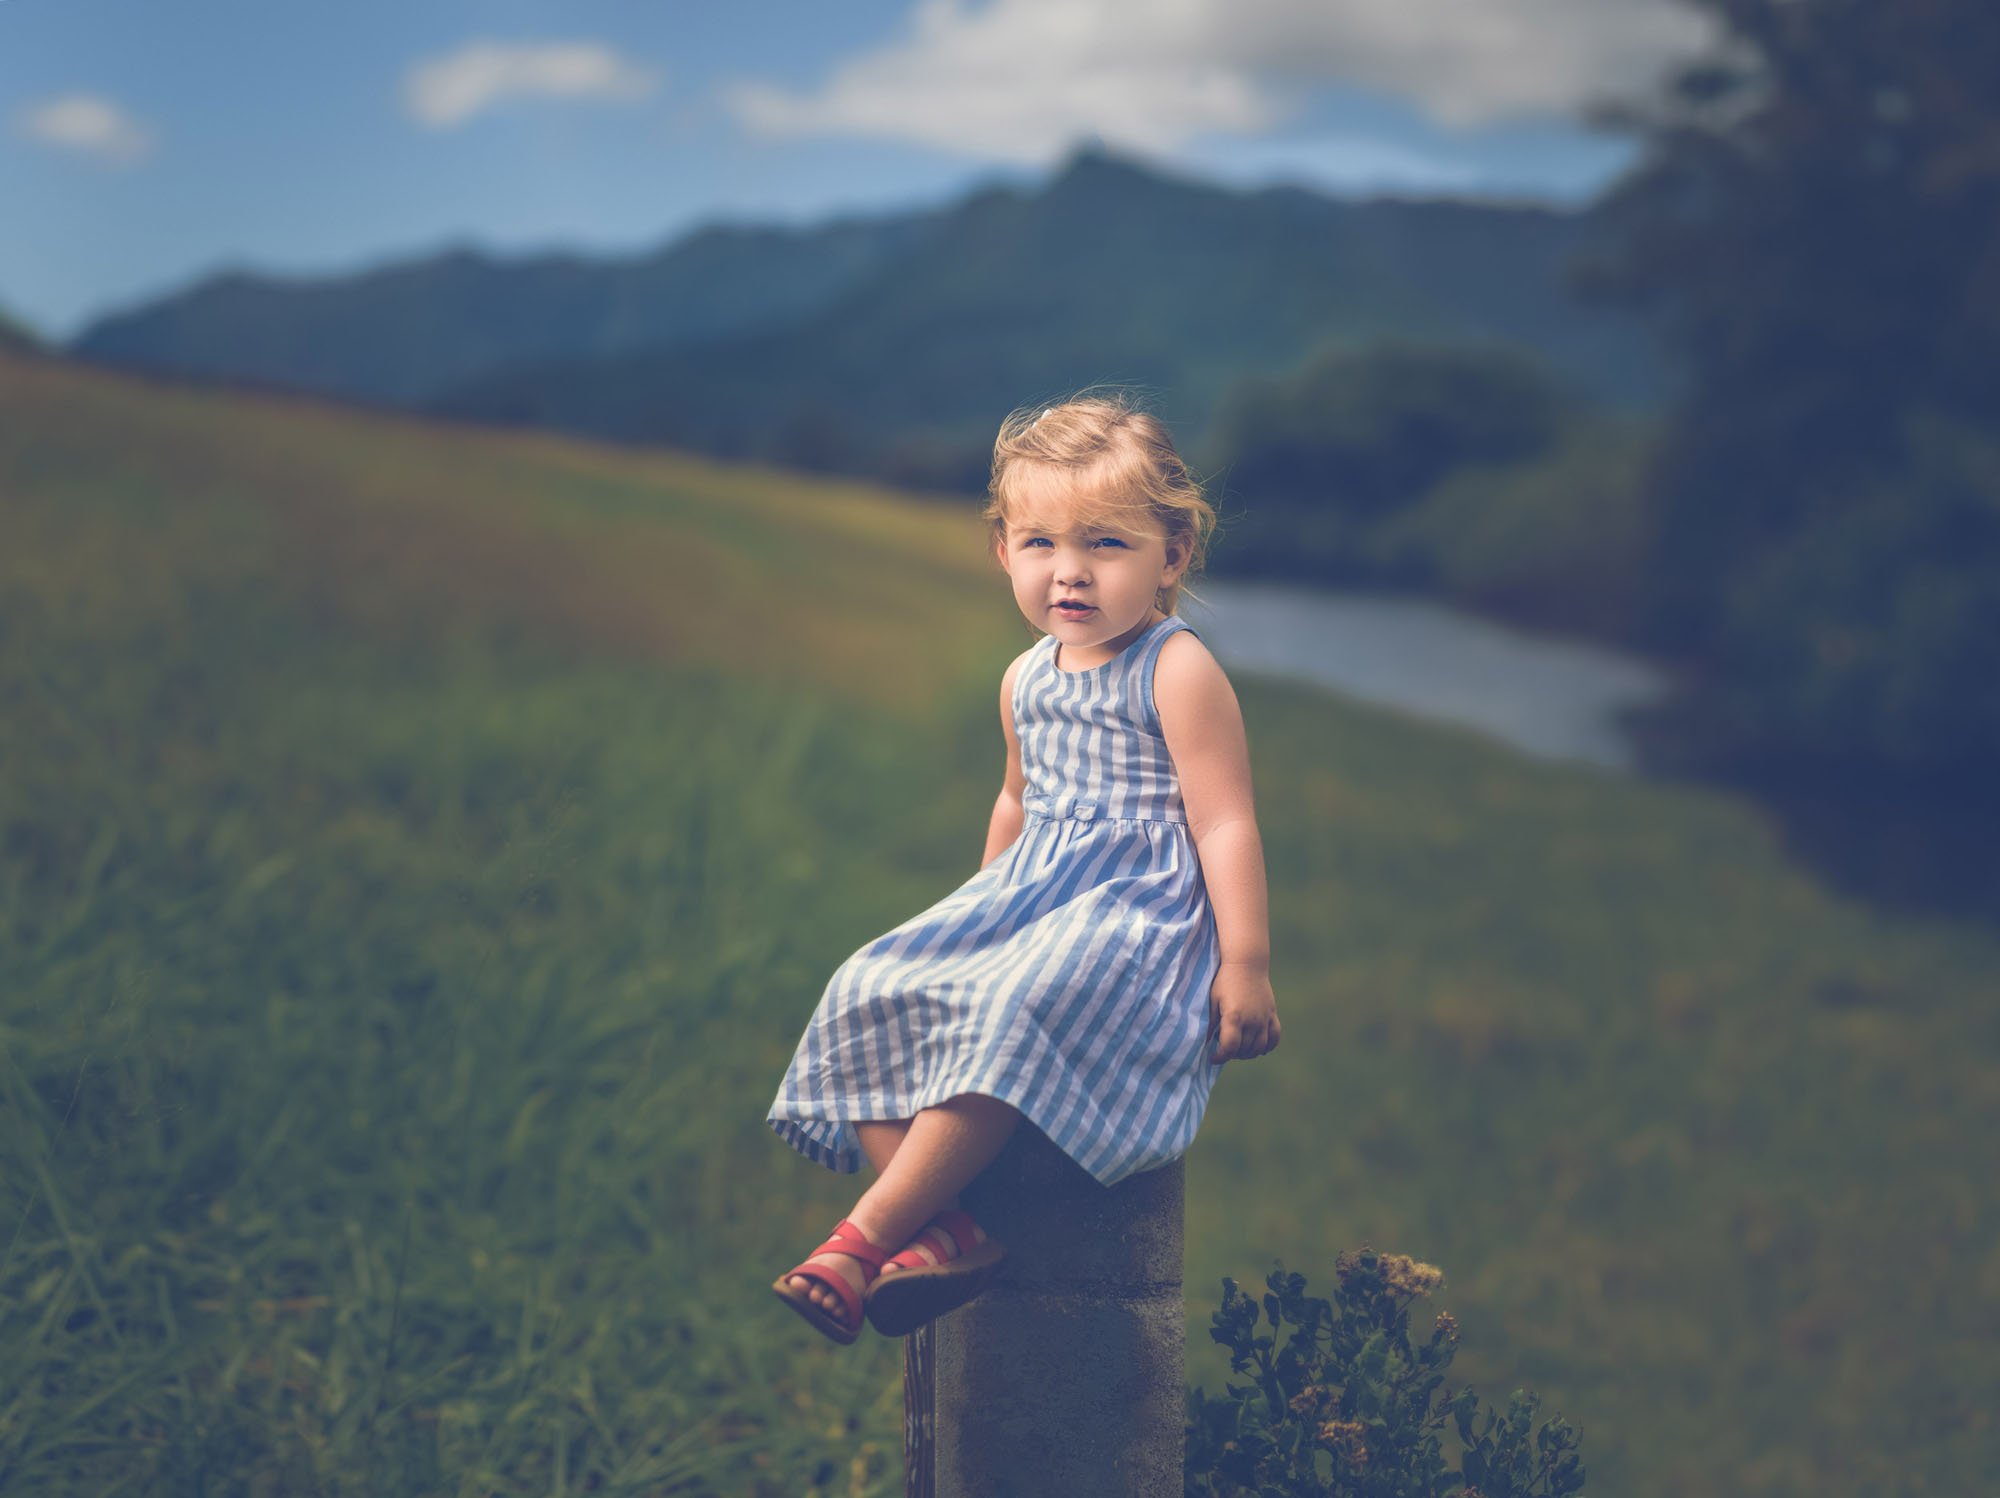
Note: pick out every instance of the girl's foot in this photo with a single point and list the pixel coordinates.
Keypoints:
(946, 1264)
(849, 1260)
(850, 1269)
(824, 1295)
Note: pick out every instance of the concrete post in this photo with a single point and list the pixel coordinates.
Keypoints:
(1068, 1375)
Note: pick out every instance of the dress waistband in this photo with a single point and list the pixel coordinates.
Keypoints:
(1080, 809)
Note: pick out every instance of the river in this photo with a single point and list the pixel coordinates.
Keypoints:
(1922, 844)
(1546, 695)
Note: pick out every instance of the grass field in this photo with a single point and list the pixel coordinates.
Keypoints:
(420, 848)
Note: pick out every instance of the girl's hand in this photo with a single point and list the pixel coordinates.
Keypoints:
(1243, 1012)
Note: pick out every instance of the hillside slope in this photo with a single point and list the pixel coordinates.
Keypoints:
(421, 848)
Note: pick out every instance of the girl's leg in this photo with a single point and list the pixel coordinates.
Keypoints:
(943, 1149)
(921, 1165)
(880, 1139)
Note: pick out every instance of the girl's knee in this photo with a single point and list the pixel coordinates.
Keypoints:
(982, 1102)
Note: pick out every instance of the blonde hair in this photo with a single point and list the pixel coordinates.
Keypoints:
(1115, 462)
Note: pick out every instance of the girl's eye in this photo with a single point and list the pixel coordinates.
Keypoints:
(1044, 541)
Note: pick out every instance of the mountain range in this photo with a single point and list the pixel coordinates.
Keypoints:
(892, 344)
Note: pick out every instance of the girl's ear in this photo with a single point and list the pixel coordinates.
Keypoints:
(1178, 552)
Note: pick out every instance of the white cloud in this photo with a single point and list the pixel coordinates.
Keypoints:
(1017, 80)
(89, 123)
(1351, 162)
(450, 90)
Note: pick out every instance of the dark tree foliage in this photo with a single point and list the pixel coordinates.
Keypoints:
(1357, 433)
(1817, 222)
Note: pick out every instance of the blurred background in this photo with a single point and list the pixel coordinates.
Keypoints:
(492, 611)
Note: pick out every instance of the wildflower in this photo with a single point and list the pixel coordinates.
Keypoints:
(1402, 1273)
(1399, 1273)
(1345, 1438)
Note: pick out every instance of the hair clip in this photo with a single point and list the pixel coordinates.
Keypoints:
(1038, 420)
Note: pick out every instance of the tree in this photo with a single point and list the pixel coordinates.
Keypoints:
(1356, 434)
(1817, 219)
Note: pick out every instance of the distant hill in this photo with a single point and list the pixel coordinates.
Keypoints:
(404, 333)
(893, 345)
(16, 337)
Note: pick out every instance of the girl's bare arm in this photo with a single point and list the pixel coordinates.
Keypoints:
(1203, 725)
(1005, 825)
(1204, 730)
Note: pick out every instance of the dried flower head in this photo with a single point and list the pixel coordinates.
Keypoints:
(1400, 1274)
(1408, 1275)
(1345, 1438)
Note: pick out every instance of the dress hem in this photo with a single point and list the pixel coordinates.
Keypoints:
(871, 1108)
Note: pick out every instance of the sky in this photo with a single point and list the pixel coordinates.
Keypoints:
(148, 144)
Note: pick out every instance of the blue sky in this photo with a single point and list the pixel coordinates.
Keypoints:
(145, 145)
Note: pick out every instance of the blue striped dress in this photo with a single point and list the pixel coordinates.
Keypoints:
(1069, 977)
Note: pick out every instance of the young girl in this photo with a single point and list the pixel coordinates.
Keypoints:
(1111, 953)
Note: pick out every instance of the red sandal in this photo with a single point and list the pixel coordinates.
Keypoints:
(847, 1239)
(919, 1290)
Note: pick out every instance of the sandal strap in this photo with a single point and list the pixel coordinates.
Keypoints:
(909, 1258)
(960, 1225)
(953, 1222)
(850, 1240)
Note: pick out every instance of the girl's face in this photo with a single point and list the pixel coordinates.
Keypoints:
(1091, 586)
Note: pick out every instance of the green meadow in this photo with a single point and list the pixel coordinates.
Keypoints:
(421, 846)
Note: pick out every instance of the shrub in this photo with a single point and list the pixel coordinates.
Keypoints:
(1344, 1407)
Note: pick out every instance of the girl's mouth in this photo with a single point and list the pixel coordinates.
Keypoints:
(1075, 610)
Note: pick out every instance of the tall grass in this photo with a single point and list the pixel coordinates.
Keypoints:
(385, 1052)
